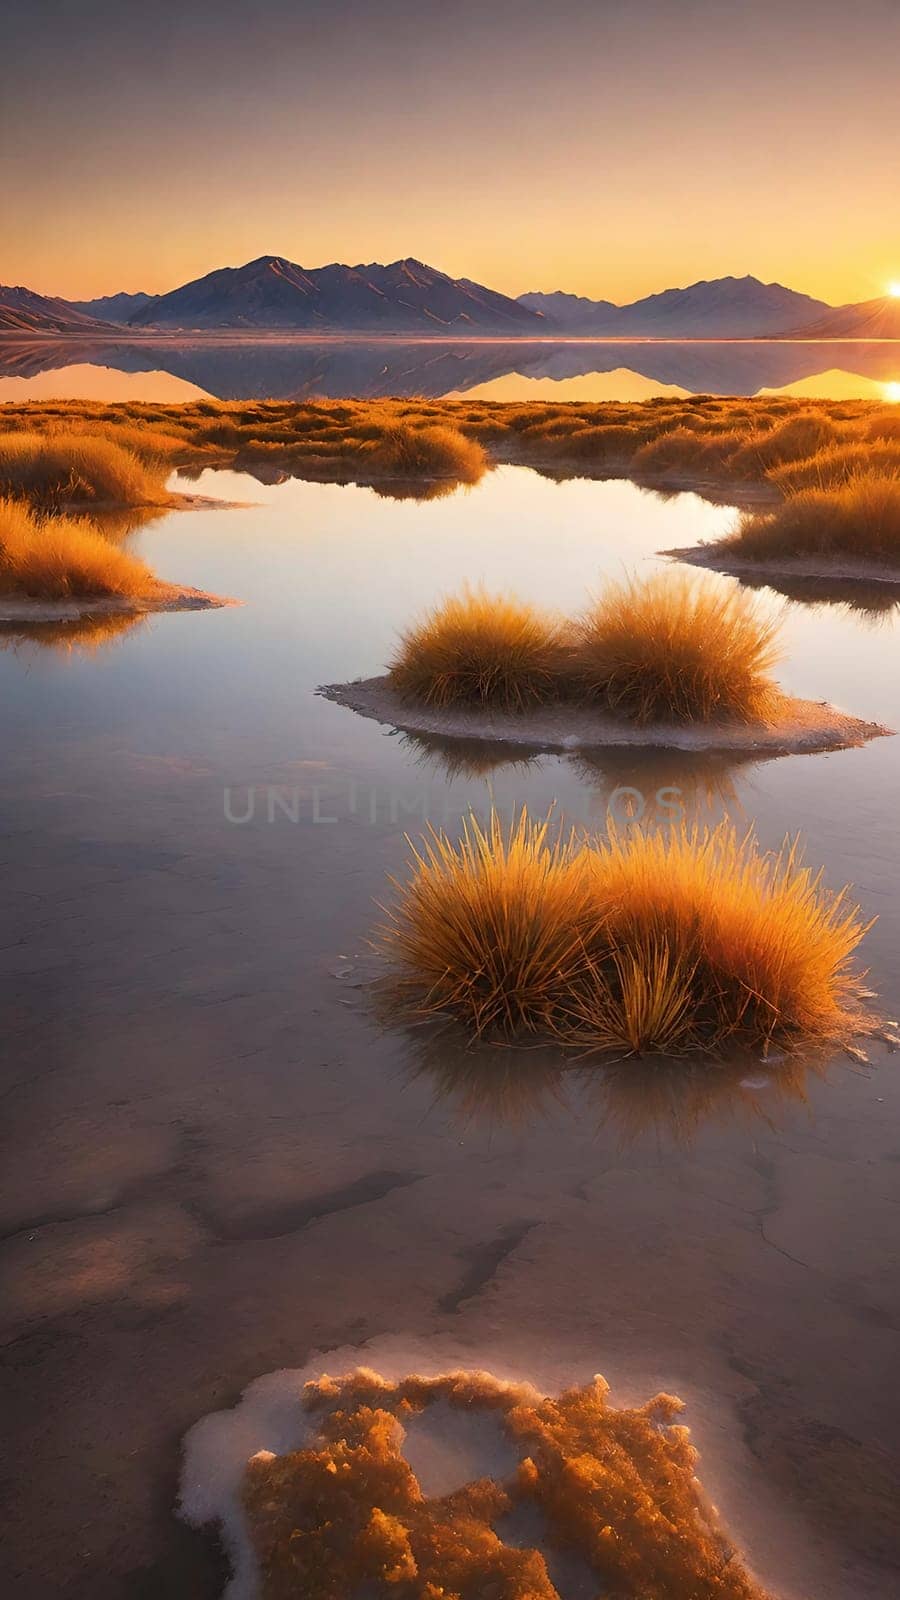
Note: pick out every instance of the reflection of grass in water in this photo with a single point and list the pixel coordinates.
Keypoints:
(617, 1487)
(634, 1097)
(869, 601)
(85, 635)
(675, 1099)
(467, 759)
(480, 1082)
(410, 489)
(658, 786)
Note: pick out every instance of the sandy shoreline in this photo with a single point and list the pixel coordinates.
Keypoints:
(163, 597)
(808, 566)
(808, 725)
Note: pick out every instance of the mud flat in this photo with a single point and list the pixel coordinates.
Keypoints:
(162, 597)
(802, 725)
(719, 559)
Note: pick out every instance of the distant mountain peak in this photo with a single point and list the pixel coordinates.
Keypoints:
(869, 319)
(711, 308)
(273, 293)
(25, 311)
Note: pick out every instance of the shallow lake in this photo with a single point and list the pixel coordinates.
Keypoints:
(234, 367)
(221, 1160)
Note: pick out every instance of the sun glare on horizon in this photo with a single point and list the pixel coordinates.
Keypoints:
(894, 289)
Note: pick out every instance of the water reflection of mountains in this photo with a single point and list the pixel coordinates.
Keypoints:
(256, 369)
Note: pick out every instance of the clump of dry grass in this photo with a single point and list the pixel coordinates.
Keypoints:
(687, 451)
(836, 465)
(151, 445)
(492, 929)
(680, 940)
(53, 558)
(442, 452)
(672, 648)
(794, 439)
(68, 468)
(346, 1514)
(480, 649)
(708, 942)
(859, 520)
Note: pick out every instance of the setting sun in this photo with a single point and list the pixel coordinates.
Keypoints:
(894, 289)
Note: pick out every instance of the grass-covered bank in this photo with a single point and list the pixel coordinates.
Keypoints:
(55, 558)
(699, 440)
(818, 465)
(81, 467)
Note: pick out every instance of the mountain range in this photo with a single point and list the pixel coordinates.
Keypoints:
(871, 319)
(114, 307)
(272, 294)
(405, 296)
(23, 311)
(723, 308)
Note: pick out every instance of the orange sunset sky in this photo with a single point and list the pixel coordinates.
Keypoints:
(606, 148)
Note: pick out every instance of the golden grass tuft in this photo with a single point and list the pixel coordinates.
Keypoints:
(836, 465)
(493, 929)
(54, 558)
(860, 520)
(675, 941)
(443, 452)
(708, 942)
(69, 468)
(672, 648)
(617, 1487)
(480, 649)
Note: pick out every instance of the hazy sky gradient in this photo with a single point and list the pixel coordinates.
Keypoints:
(609, 147)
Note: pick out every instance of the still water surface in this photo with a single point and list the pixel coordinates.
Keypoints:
(242, 368)
(220, 1160)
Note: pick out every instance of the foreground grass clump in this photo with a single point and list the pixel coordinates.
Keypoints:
(482, 650)
(68, 468)
(493, 929)
(616, 1487)
(859, 520)
(55, 558)
(671, 941)
(671, 649)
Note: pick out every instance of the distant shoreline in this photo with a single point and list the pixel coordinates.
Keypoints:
(184, 336)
